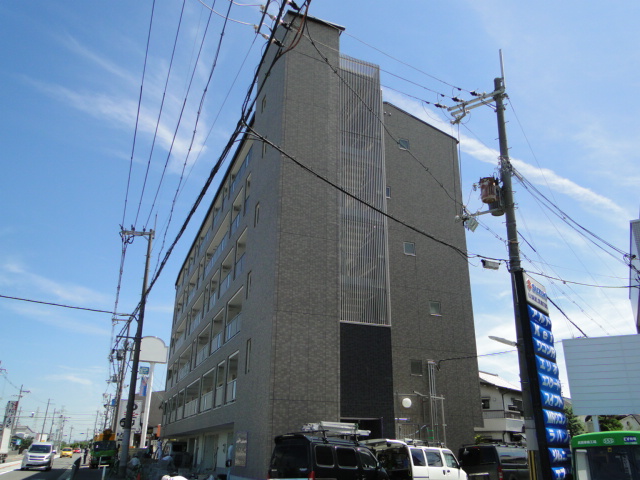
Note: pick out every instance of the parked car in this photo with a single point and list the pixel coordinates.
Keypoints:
(299, 455)
(38, 455)
(76, 450)
(416, 461)
(66, 452)
(498, 462)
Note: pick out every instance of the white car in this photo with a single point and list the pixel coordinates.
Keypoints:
(39, 455)
(408, 461)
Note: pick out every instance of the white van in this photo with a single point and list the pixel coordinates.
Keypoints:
(409, 461)
(39, 455)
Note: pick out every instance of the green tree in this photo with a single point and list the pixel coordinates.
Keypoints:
(609, 423)
(574, 425)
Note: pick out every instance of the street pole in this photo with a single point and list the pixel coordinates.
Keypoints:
(126, 432)
(540, 466)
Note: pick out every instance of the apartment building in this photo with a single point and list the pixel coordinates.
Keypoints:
(328, 280)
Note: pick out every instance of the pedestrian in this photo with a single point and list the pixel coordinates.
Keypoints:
(86, 452)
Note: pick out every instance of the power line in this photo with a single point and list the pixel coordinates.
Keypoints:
(63, 305)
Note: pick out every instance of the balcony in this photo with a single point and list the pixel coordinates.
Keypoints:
(235, 223)
(219, 392)
(195, 321)
(205, 241)
(206, 401)
(231, 391)
(240, 265)
(184, 370)
(224, 285)
(502, 421)
(233, 327)
(216, 342)
(191, 408)
(201, 355)
(180, 340)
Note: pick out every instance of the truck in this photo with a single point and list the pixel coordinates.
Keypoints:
(104, 449)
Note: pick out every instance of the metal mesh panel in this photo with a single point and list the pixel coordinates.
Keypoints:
(364, 292)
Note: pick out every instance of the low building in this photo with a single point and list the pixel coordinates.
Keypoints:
(501, 410)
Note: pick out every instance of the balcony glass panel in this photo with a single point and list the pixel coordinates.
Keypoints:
(224, 285)
(219, 392)
(206, 401)
(231, 391)
(233, 327)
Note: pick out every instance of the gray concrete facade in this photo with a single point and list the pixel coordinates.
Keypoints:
(258, 331)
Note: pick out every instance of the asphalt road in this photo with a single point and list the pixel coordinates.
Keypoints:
(10, 470)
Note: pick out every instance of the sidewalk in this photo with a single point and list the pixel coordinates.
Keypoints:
(12, 461)
(86, 473)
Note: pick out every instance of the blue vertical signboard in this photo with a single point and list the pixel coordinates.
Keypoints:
(554, 418)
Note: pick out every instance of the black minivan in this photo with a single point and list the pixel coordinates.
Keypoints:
(496, 462)
(300, 456)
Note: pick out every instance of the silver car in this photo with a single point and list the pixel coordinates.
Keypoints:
(39, 455)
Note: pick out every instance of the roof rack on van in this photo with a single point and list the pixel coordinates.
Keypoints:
(335, 428)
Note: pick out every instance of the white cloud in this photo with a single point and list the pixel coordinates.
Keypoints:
(588, 199)
(66, 377)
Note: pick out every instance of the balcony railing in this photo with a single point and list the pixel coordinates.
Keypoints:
(184, 370)
(489, 414)
(195, 321)
(224, 285)
(216, 342)
(191, 408)
(235, 224)
(180, 340)
(206, 401)
(192, 293)
(216, 255)
(202, 354)
(205, 241)
(219, 392)
(233, 327)
(239, 266)
(231, 391)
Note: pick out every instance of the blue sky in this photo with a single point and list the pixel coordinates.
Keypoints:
(71, 80)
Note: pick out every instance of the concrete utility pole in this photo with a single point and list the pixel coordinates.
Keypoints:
(15, 416)
(517, 287)
(539, 464)
(126, 432)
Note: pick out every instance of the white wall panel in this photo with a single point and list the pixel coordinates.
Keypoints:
(604, 374)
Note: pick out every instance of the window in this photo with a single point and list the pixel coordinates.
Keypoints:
(256, 215)
(324, 455)
(388, 191)
(248, 283)
(264, 148)
(367, 460)
(434, 459)
(346, 457)
(517, 403)
(417, 457)
(450, 460)
(403, 144)
(416, 367)
(410, 248)
(247, 359)
(435, 308)
(264, 104)
(486, 403)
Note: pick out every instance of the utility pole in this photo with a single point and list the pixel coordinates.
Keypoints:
(536, 432)
(45, 420)
(126, 432)
(536, 460)
(15, 416)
